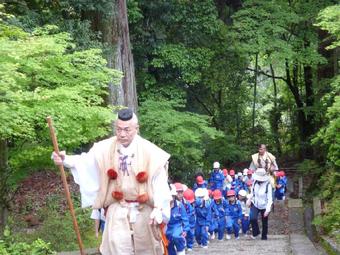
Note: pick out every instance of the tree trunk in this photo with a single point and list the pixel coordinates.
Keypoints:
(3, 184)
(115, 34)
(276, 116)
(310, 112)
(302, 121)
(255, 85)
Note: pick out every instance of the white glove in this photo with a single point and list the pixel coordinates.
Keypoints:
(156, 216)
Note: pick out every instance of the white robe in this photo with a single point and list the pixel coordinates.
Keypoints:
(85, 171)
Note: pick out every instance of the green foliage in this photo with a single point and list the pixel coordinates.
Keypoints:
(182, 134)
(329, 186)
(8, 246)
(329, 19)
(190, 63)
(56, 227)
(309, 167)
(42, 76)
(330, 221)
(329, 135)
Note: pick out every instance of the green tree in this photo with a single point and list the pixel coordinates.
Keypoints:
(42, 75)
(182, 134)
(282, 32)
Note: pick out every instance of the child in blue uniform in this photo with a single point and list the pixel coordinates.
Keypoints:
(203, 217)
(177, 227)
(233, 214)
(190, 197)
(281, 183)
(245, 221)
(216, 178)
(218, 207)
(200, 183)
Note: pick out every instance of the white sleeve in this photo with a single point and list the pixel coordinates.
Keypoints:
(275, 166)
(95, 214)
(85, 173)
(162, 195)
(252, 166)
(269, 198)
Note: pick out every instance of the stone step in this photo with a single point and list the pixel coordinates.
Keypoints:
(276, 244)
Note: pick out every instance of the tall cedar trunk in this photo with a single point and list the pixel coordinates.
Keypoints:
(309, 92)
(227, 8)
(255, 85)
(114, 28)
(302, 121)
(3, 184)
(276, 117)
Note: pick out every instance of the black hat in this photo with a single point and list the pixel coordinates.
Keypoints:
(125, 114)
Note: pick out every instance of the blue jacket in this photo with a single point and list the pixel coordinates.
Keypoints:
(190, 212)
(219, 210)
(233, 210)
(216, 180)
(203, 212)
(203, 185)
(283, 183)
(179, 221)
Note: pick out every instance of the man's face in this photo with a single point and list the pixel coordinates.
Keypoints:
(262, 150)
(126, 131)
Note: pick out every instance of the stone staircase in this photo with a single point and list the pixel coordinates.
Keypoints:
(276, 244)
(286, 236)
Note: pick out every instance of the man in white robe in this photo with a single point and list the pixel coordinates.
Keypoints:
(127, 175)
(263, 159)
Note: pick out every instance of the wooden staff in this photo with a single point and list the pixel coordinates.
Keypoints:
(66, 189)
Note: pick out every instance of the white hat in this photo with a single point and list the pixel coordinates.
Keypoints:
(242, 193)
(239, 174)
(245, 171)
(216, 165)
(260, 175)
(173, 190)
(199, 192)
(206, 194)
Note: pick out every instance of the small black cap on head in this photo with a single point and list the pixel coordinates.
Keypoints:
(125, 114)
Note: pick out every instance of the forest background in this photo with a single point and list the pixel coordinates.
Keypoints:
(209, 79)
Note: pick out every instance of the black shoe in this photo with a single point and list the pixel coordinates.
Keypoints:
(263, 238)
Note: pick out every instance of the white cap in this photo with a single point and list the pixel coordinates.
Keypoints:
(239, 174)
(216, 165)
(245, 171)
(199, 192)
(242, 193)
(173, 190)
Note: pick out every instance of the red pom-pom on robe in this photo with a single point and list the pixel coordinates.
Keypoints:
(142, 177)
(112, 174)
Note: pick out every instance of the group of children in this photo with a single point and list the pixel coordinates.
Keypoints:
(210, 210)
(202, 214)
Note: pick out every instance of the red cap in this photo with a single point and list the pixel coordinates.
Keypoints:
(217, 194)
(178, 186)
(250, 171)
(249, 182)
(225, 172)
(189, 195)
(232, 172)
(231, 193)
(199, 180)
